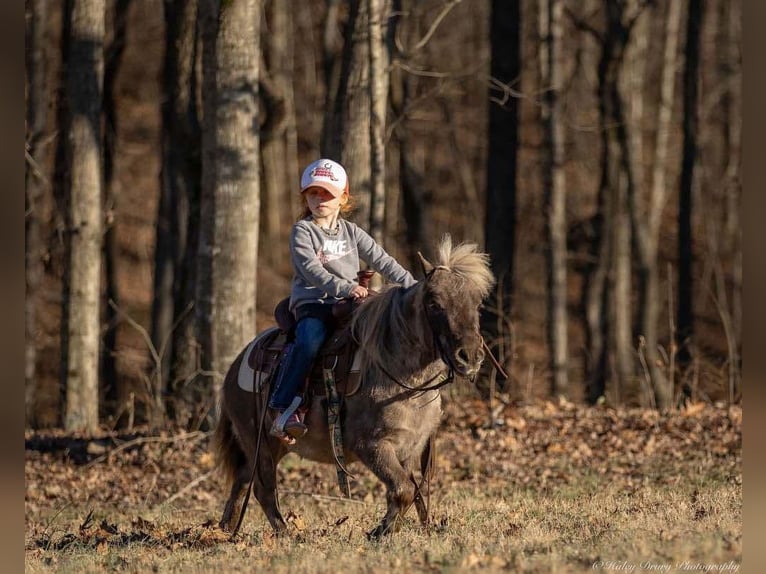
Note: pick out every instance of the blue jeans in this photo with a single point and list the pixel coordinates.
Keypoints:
(310, 333)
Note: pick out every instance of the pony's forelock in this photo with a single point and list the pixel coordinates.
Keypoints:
(467, 261)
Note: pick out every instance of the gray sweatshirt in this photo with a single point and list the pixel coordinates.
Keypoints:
(325, 264)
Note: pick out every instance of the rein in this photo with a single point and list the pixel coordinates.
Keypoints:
(448, 379)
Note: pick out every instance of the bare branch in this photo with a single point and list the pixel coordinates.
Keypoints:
(186, 488)
(140, 329)
(36, 169)
(430, 32)
(582, 25)
(194, 435)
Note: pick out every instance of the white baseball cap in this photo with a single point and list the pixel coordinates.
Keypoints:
(327, 174)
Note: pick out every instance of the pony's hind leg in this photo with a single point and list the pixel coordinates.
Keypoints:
(264, 489)
(233, 506)
(265, 485)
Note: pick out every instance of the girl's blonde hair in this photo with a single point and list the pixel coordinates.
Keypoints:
(345, 208)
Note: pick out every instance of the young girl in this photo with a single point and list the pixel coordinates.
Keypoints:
(325, 250)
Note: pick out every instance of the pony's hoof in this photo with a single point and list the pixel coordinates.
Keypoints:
(378, 532)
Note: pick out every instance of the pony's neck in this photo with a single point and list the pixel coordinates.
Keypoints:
(396, 338)
(416, 350)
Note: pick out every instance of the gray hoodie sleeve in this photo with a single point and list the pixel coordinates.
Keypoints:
(312, 272)
(376, 257)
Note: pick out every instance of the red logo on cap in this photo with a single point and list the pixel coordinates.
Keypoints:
(324, 171)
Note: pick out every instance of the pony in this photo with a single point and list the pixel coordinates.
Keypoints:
(412, 342)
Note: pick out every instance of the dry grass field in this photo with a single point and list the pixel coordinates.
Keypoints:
(548, 488)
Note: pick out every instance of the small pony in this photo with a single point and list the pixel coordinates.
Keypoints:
(412, 343)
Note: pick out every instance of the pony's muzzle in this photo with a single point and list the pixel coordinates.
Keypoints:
(468, 363)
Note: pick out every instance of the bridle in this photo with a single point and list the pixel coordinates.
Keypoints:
(438, 343)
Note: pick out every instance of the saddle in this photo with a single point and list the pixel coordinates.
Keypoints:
(339, 352)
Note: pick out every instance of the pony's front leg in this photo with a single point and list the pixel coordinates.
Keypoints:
(400, 492)
(427, 458)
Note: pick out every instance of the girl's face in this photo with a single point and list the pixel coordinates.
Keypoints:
(322, 203)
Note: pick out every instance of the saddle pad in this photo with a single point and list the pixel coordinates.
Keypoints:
(247, 375)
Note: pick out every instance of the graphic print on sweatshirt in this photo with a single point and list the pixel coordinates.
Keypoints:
(333, 249)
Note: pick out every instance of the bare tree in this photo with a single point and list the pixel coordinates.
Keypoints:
(379, 82)
(230, 182)
(35, 182)
(647, 216)
(608, 293)
(733, 106)
(504, 126)
(346, 136)
(178, 212)
(402, 93)
(112, 63)
(201, 386)
(84, 86)
(685, 319)
(332, 57)
(275, 88)
(554, 182)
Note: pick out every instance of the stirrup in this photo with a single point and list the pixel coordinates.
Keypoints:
(288, 426)
(281, 435)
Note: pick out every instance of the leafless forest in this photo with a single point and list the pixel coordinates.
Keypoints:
(591, 148)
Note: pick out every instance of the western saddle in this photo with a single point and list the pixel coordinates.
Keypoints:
(339, 352)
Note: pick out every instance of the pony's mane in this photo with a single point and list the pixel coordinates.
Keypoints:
(383, 325)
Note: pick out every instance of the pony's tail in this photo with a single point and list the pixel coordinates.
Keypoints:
(229, 455)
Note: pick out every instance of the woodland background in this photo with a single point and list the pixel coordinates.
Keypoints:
(592, 148)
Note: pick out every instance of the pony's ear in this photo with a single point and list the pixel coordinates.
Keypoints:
(427, 267)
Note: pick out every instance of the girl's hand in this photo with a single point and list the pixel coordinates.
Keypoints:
(358, 292)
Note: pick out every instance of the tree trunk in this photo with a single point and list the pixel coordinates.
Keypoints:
(505, 66)
(113, 60)
(234, 188)
(734, 185)
(414, 208)
(551, 66)
(610, 283)
(348, 137)
(178, 215)
(277, 181)
(202, 385)
(685, 318)
(35, 182)
(84, 86)
(646, 220)
(379, 81)
(622, 185)
(595, 291)
(333, 53)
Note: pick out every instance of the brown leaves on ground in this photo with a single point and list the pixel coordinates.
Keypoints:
(558, 442)
(102, 535)
(528, 447)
